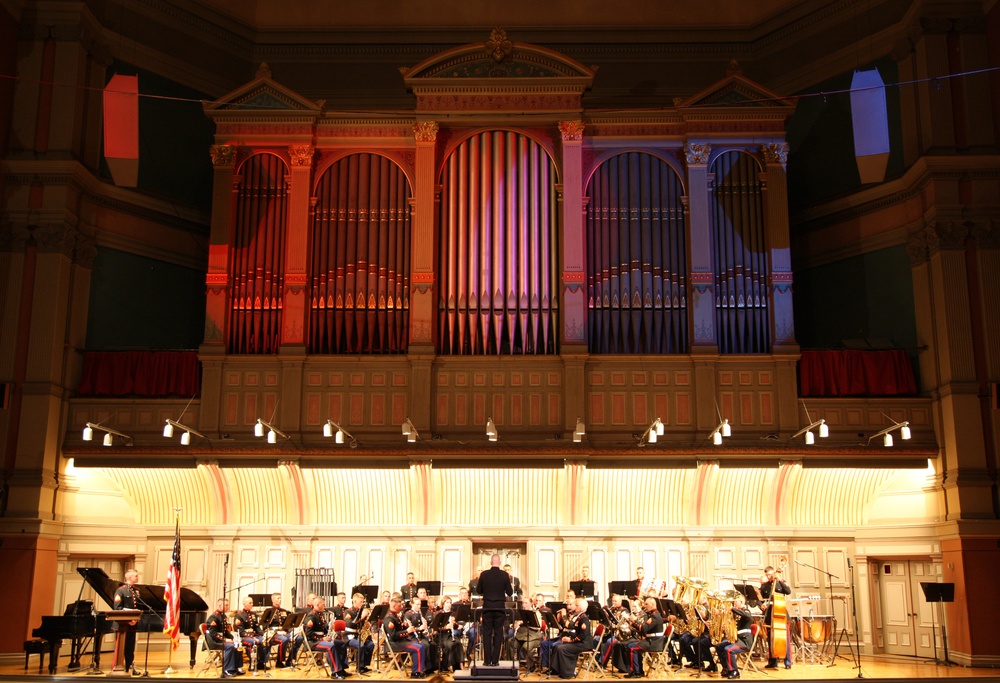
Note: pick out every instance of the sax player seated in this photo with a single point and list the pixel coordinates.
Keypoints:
(315, 630)
(355, 617)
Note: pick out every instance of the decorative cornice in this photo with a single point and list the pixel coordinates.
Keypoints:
(696, 154)
(425, 131)
(13, 238)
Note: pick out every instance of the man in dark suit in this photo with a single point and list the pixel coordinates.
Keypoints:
(495, 587)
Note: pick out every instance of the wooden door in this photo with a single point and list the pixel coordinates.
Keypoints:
(906, 622)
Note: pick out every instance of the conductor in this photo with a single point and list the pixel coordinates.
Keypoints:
(495, 587)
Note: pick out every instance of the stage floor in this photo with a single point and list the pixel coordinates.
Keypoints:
(880, 668)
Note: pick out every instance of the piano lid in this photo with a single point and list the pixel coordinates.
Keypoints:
(151, 594)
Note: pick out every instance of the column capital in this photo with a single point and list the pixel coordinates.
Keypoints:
(571, 130)
(426, 131)
(697, 153)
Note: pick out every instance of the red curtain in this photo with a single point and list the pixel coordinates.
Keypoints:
(856, 373)
(151, 374)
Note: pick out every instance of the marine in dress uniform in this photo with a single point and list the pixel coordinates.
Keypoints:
(247, 627)
(579, 637)
(399, 635)
(275, 626)
(744, 639)
(127, 597)
(220, 637)
(628, 654)
(355, 617)
(315, 629)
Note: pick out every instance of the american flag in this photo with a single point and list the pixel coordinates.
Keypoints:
(172, 592)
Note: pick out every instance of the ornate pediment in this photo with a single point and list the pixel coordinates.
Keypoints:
(735, 90)
(498, 75)
(497, 58)
(263, 94)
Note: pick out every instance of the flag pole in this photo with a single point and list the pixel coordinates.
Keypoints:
(177, 531)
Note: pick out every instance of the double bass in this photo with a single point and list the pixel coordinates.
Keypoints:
(779, 617)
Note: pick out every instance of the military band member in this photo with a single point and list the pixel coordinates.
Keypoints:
(564, 618)
(339, 605)
(514, 581)
(448, 644)
(355, 617)
(773, 584)
(744, 639)
(409, 590)
(315, 629)
(127, 597)
(698, 649)
(220, 637)
(628, 655)
(619, 615)
(274, 626)
(247, 628)
(578, 638)
(399, 635)
(469, 627)
(528, 635)
(419, 622)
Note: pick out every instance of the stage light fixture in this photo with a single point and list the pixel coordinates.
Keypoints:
(886, 434)
(723, 429)
(409, 431)
(580, 431)
(339, 434)
(109, 434)
(653, 431)
(168, 431)
(272, 432)
(491, 430)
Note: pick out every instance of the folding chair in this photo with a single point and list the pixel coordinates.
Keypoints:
(600, 633)
(658, 660)
(314, 660)
(744, 660)
(398, 660)
(213, 655)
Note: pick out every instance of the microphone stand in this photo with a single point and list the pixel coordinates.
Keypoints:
(829, 577)
(145, 663)
(225, 592)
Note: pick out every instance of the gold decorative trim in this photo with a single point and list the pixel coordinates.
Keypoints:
(696, 154)
(571, 130)
(425, 131)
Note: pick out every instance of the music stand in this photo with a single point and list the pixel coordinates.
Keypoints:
(260, 599)
(462, 612)
(938, 593)
(583, 589)
(432, 587)
(370, 592)
(623, 588)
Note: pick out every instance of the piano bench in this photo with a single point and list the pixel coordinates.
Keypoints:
(36, 646)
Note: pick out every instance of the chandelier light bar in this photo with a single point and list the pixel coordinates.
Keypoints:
(109, 434)
(339, 434)
(653, 431)
(819, 425)
(580, 431)
(409, 431)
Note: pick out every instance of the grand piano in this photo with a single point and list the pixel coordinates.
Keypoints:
(79, 626)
